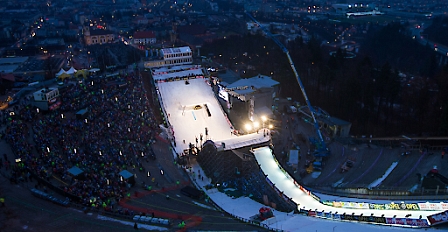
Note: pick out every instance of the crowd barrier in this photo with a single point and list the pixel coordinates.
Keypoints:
(48, 197)
(152, 220)
(388, 206)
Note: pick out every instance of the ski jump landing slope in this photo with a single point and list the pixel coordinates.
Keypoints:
(188, 122)
(270, 167)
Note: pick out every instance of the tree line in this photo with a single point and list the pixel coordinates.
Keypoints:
(393, 86)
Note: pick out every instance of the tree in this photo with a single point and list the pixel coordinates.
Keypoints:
(381, 83)
(442, 83)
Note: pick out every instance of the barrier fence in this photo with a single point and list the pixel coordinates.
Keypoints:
(403, 222)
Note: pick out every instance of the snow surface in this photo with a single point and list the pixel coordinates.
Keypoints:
(386, 174)
(179, 100)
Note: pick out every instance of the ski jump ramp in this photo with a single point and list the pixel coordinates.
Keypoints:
(306, 201)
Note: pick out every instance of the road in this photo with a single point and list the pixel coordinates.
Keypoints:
(416, 34)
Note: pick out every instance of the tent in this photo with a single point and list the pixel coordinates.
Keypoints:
(75, 171)
(71, 71)
(62, 71)
(63, 76)
(128, 176)
(82, 114)
(83, 73)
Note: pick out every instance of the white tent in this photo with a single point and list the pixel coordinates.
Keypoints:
(60, 72)
(71, 71)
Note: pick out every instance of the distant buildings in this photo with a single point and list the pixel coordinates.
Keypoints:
(144, 37)
(171, 57)
(92, 37)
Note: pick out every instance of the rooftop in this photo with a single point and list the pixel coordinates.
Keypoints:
(100, 32)
(144, 34)
(260, 81)
(176, 50)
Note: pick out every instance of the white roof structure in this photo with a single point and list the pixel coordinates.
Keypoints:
(71, 71)
(260, 81)
(176, 50)
(61, 72)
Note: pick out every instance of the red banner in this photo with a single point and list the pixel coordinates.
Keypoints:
(438, 218)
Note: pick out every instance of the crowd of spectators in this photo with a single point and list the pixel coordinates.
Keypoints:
(115, 135)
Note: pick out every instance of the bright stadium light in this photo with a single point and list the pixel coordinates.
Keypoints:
(263, 118)
(248, 127)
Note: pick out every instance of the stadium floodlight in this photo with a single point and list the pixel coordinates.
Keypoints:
(248, 127)
(264, 118)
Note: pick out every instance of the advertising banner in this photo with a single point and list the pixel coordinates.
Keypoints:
(401, 206)
(327, 215)
(296, 184)
(350, 205)
(417, 222)
(395, 206)
(433, 206)
(438, 218)
(329, 203)
(407, 221)
(336, 217)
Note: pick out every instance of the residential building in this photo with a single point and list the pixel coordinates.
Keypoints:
(144, 37)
